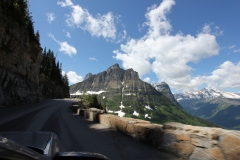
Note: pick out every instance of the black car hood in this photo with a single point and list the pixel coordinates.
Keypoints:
(36, 139)
(38, 145)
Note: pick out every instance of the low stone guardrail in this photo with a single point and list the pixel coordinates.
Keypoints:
(184, 141)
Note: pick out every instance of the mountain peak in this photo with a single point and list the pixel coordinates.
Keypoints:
(161, 86)
(114, 66)
(206, 93)
(164, 88)
(88, 76)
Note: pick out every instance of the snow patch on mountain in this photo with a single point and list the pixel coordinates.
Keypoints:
(122, 106)
(206, 93)
(135, 113)
(148, 107)
(78, 93)
(120, 113)
(160, 86)
(146, 116)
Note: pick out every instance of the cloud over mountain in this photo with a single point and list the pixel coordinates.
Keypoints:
(169, 55)
(73, 77)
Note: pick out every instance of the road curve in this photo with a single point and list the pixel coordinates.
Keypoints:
(75, 132)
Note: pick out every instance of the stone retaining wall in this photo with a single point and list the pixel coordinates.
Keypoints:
(184, 141)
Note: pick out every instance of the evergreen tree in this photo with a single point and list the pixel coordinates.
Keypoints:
(37, 35)
(18, 11)
(52, 69)
(65, 80)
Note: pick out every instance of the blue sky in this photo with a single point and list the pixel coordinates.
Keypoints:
(188, 44)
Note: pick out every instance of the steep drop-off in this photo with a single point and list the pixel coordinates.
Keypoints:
(216, 106)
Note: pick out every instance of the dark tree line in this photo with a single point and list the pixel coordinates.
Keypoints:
(52, 69)
(52, 83)
(18, 11)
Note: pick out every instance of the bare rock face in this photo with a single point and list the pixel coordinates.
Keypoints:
(15, 90)
(231, 146)
(88, 76)
(19, 64)
(165, 89)
(193, 142)
(112, 78)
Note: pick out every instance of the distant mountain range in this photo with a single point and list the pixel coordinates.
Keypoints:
(206, 93)
(125, 94)
(222, 108)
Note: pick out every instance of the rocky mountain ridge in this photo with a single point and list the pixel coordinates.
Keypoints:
(164, 88)
(222, 108)
(206, 93)
(113, 78)
(122, 92)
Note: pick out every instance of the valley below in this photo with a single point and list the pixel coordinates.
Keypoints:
(221, 108)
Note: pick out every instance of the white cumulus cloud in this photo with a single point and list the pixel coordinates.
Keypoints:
(64, 46)
(66, 3)
(67, 49)
(73, 77)
(167, 55)
(100, 25)
(147, 79)
(225, 76)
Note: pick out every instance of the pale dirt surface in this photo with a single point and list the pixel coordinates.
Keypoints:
(75, 132)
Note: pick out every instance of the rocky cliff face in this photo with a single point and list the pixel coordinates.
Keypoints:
(113, 78)
(88, 76)
(19, 64)
(165, 89)
(21, 80)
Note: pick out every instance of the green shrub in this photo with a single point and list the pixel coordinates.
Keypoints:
(91, 101)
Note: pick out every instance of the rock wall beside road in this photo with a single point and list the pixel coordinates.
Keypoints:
(184, 141)
(20, 60)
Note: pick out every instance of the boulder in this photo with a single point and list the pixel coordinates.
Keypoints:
(230, 145)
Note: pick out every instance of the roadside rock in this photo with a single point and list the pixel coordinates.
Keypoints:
(183, 141)
(230, 145)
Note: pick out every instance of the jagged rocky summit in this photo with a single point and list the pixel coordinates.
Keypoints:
(165, 89)
(125, 94)
(113, 78)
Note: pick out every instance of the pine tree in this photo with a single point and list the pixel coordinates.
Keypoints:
(52, 69)
(65, 80)
(18, 11)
